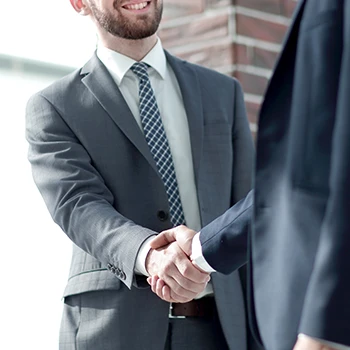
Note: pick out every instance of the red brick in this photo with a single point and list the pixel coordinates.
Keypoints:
(254, 56)
(251, 83)
(201, 29)
(288, 7)
(253, 110)
(264, 58)
(211, 56)
(270, 6)
(260, 29)
(218, 3)
(276, 7)
(205, 39)
(192, 6)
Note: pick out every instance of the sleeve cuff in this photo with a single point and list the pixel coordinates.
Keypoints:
(140, 265)
(327, 343)
(197, 255)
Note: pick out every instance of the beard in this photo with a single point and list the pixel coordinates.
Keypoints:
(120, 26)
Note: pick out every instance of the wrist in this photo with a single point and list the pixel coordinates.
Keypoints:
(148, 261)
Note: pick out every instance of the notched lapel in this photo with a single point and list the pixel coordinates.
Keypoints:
(192, 97)
(289, 44)
(101, 85)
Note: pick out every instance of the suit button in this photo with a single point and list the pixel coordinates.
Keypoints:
(122, 275)
(162, 215)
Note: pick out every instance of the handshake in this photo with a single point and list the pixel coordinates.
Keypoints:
(173, 276)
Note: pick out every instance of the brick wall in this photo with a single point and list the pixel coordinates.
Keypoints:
(241, 38)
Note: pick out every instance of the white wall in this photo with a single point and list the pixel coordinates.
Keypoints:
(49, 31)
(35, 254)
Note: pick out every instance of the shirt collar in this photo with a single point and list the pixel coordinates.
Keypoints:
(118, 65)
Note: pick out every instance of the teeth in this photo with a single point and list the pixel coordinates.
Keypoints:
(137, 6)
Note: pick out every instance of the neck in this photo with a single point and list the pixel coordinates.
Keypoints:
(135, 49)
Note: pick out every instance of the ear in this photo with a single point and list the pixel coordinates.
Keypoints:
(81, 7)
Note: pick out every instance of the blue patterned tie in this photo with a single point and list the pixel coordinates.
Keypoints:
(157, 141)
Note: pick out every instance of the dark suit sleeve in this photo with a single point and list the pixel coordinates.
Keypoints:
(326, 311)
(224, 241)
(75, 193)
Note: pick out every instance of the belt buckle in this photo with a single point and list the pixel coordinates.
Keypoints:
(171, 313)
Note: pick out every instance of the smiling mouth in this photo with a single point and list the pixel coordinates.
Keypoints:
(136, 7)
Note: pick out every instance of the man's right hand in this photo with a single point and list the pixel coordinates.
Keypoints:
(182, 234)
(172, 266)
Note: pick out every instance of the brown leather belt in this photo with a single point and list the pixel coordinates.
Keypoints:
(204, 307)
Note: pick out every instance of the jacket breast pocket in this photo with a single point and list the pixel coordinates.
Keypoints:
(217, 139)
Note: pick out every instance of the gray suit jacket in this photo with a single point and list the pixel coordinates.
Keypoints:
(97, 176)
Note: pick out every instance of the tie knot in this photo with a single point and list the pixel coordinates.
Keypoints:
(140, 69)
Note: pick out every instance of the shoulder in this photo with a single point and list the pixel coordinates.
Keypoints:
(61, 86)
(205, 73)
(54, 102)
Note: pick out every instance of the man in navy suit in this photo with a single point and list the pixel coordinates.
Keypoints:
(297, 218)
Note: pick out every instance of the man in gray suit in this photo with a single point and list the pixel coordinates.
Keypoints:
(132, 144)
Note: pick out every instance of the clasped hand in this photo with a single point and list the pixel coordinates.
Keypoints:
(174, 278)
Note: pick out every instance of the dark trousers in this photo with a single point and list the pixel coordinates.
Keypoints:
(195, 334)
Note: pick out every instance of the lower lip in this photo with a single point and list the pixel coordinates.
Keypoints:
(145, 9)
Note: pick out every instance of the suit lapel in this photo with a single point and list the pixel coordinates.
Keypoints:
(192, 98)
(292, 28)
(285, 53)
(102, 86)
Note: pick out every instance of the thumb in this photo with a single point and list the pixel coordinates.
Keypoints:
(164, 238)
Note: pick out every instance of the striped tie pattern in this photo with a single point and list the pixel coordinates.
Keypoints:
(157, 141)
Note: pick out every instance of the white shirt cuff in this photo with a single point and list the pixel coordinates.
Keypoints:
(140, 265)
(327, 343)
(197, 255)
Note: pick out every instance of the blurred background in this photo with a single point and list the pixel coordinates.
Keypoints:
(42, 41)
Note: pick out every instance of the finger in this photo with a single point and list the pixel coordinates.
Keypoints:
(191, 272)
(184, 266)
(182, 289)
(180, 299)
(168, 262)
(163, 239)
(181, 275)
(163, 291)
(167, 293)
(159, 286)
(172, 297)
(154, 283)
(176, 283)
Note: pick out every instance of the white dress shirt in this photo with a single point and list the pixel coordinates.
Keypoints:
(198, 258)
(174, 118)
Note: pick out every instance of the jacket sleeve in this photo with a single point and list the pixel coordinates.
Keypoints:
(75, 193)
(326, 311)
(224, 240)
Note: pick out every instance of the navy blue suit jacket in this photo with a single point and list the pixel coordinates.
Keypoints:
(300, 234)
